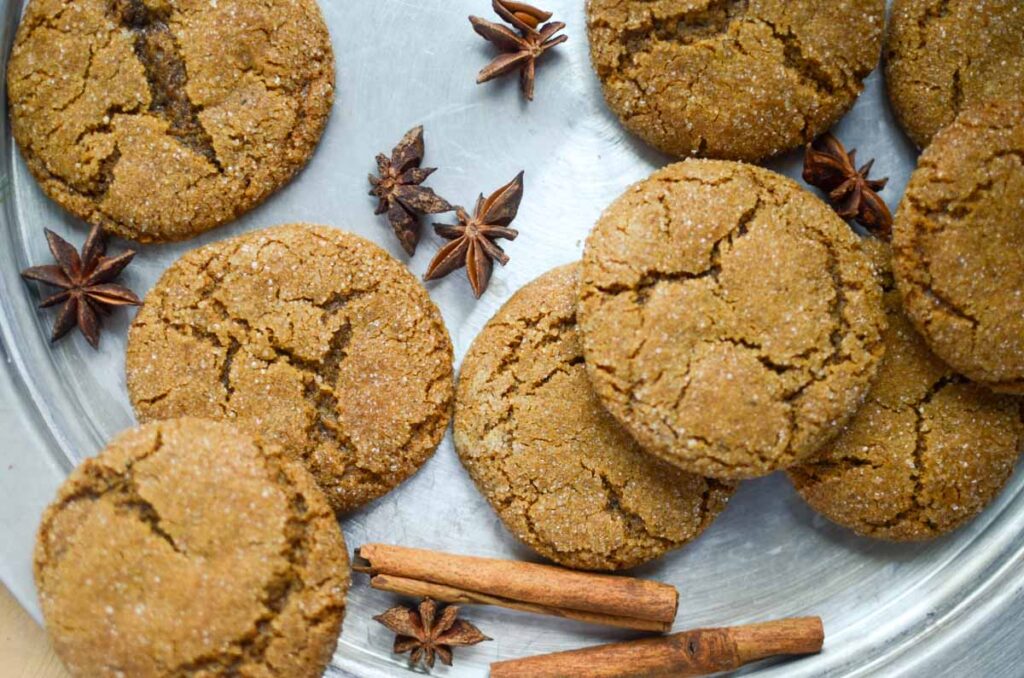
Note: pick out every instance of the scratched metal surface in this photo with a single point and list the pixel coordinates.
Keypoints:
(953, 607)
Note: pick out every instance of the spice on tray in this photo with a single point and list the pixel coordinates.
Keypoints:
(399, 190)
(690, 653)
(529, 587)
(472, 239)
(828, 166)
(520, 48)
(86, 284)
(423, 634)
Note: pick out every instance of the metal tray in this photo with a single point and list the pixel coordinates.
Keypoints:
(951, 607)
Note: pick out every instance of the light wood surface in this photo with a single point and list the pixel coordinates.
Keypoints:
(25, 651)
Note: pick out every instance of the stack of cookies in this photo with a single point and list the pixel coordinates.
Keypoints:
(724, 323)
(283, 377)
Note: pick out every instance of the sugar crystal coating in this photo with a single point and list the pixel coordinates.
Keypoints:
(958, 245)
(562, 474)
(731, 321)
(927, 451)
(313, 337)
(161, 119)
(732, 79)
(189, 548)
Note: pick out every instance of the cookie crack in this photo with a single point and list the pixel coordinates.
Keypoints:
(919, 507)
(695, 28)
(234, 346)
(651, 278)
(85, 75)
(614, 504)
(251, 648)
(796, 61)
(128, 498)
(936, 214)
(683, 28)
(321, 377)
(158, 52)
(834, 466)
(961, 207)
(121, 488)
(938, 12)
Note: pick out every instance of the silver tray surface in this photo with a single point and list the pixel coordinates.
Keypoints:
(953, 607)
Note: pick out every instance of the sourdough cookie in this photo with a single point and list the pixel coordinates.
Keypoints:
(314, 338)
(731, 321)
(189, 548)
(958, 244)
(927, 451)
(944, 55)
(561, 473)
(732, 79)
(161, 119)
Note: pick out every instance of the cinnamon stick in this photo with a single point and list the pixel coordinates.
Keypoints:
(450, 594)
(690, 653)
(543, 585)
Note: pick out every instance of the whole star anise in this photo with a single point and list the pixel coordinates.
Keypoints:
(400, 194)
(425, 635)
(521, 50)
(853, 195)
(86, 284)
(472, 239)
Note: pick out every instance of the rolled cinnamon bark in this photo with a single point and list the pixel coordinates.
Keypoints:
(544, 585)
(450, 594)
(690, 653)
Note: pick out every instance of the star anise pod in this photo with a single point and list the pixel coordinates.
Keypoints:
(86, 284)
(853, 195)
(520, 50)
(400, 194)
(424, 635)
(472, 239)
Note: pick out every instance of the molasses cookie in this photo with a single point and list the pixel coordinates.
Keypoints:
(161, 119)
(731, 321)
(958, 244)
(944, 55)
(563, 475)
(732, 79)
(314, 338)
(927, 451)
(189, 548)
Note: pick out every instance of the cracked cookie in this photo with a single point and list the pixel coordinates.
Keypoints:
(732, 79)
(314, 338)
(958, 245)
(730, 320)
(188, 548)
(927, 452)
(161, 119)
(564, 477)
(944, 55)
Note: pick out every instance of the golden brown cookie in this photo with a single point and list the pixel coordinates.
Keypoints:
(189, 548)
(731, 321)
(927, 451)
(732, 79)
(561, 473)
(161, 119)
(958, 244)
(314, 338)
(944, 55)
